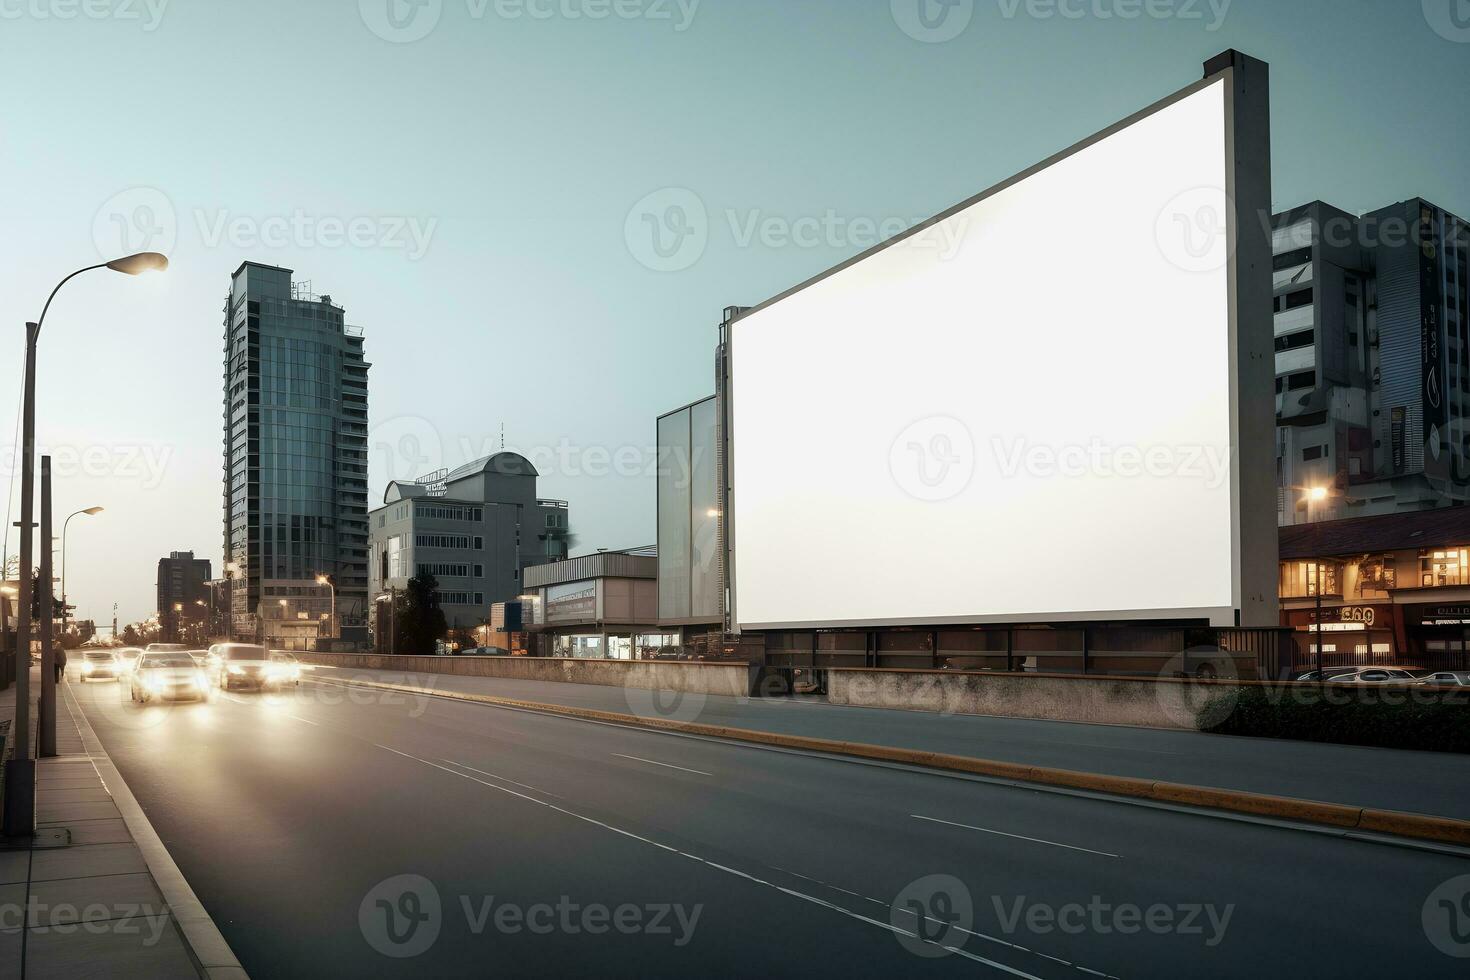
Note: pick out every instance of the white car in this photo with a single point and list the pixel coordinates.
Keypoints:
(167, 674)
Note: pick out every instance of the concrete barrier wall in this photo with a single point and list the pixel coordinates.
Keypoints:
(733, 679)
(1150, 702)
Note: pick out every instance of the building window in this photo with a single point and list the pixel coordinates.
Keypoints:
(1449, 567)
(448, 512)
(443, 569)
(457, 542)
(1300, 579)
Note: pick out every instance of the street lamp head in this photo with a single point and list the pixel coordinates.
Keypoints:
(141, 262)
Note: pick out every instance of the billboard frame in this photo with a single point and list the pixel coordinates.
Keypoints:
(1254, 547)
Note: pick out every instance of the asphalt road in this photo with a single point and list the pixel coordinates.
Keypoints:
(1436, 783)
(544, 846)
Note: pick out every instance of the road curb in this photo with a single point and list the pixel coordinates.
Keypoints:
(206, 944)
(1444, 830)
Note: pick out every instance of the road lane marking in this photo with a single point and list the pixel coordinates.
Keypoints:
(1002, 833)
(697, 772)
(505, 779)
(719, 867)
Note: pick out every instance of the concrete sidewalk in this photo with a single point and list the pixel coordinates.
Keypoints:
(1433, 783)
(79, 899)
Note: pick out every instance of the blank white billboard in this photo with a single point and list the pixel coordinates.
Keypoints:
(1022, 411)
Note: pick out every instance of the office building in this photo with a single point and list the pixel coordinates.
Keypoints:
(475, 529)
(295, 495)
(183, 596)
(691, 591)
(1372, 361)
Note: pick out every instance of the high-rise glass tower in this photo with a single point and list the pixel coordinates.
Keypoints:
(295, 461)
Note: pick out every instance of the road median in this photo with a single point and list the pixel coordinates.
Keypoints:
(1444, 830)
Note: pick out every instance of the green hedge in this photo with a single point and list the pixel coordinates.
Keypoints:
(1385, 717)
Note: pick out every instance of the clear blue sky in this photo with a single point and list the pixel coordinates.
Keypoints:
(519, 145)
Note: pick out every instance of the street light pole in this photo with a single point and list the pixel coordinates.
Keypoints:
(20, 772)
(89, 511)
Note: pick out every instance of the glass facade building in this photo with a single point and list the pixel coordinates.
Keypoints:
(295, 462)
(690, 589)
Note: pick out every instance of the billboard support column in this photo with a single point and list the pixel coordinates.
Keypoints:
(1248, 173)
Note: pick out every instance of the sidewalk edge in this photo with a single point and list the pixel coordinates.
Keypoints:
(206, 943)
(1443, 830)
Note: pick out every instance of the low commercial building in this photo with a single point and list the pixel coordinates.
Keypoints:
(475, 529)
(602, 606)
(1392, 589)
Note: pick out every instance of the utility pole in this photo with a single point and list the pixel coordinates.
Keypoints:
(47, 715)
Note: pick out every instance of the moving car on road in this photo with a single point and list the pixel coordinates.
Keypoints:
(127, 657)
(168, 674)
(100, 665)
(284, 669)
(245, 665)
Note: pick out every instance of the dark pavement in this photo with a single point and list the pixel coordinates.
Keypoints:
(544, 846)
(1436, 783)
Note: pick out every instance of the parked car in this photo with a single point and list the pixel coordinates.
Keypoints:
(1376, 675)
(1447, 678)
(100, 665)
(1327, 673)
(167, 674)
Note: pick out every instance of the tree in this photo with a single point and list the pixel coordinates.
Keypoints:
(421, 622)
